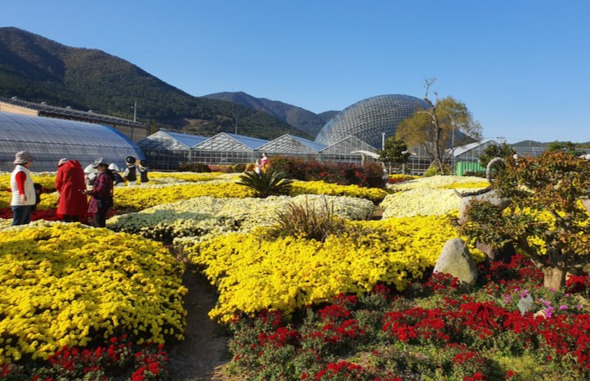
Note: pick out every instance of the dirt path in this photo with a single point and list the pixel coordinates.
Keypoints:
(204, 347)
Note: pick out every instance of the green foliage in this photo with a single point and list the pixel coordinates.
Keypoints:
(445, 123)
(567, 147)
(307, 221)
(434, 170)
(394, 152)
(369, 175)
(493, 150)
(266, 183)
(193, 167)
(545, 219)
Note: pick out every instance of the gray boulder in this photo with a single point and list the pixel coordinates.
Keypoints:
(456, 260)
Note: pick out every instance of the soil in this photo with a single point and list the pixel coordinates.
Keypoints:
(204, 350)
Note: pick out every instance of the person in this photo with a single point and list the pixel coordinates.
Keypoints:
(89, 175)
(23, 190)
(101, 195)
(130, 175)
(257, 167)
(115, 171)
(38, 190)
(143, 172)
(263, 160)
(71, 186)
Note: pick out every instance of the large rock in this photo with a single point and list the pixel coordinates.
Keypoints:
(456, 261)
(504, 254)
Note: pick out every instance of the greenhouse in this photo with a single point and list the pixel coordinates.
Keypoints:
(370, 120)
(166, 149)
(226, 148)
(342, 151)
(290, 145)
(49, 139)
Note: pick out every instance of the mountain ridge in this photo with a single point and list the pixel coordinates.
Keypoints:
(295, 116)
(38, 69)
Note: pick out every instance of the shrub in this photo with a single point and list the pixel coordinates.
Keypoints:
(193, 167)
(368, 175)
(434, 170)
(266, 183)
(307, 222)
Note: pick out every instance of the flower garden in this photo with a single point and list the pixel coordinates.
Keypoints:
(361, 303)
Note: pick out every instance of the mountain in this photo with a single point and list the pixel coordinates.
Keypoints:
(37, 69)
(304, 120)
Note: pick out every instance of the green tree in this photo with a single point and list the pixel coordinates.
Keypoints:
(545, 219)
(493, 150)
(567, 147)
(395, 152)
(443, 124)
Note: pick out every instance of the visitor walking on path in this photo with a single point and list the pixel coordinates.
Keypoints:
(71, 186)
(23, 190)
(101, 199)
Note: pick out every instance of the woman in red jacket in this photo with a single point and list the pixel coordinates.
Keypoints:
(70, 183)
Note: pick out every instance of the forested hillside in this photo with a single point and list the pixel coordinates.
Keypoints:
(37, 69)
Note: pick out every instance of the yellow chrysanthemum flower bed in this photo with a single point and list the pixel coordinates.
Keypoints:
(143, 197)
(192, 177)
(402, 177)
(48, 200)
(321, 187)
(64, 284)
(252, 273)
(46, 179)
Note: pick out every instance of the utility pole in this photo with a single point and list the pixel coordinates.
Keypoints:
(135, 111)
(236, 129)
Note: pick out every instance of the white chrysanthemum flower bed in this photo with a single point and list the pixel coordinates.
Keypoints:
(206, 216)
(428, 196)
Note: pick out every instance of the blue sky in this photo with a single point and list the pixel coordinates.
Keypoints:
(521, 67)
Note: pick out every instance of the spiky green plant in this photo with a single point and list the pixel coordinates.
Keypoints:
(266, 183)
(309, 221)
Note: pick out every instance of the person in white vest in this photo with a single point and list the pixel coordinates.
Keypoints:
(23, 189)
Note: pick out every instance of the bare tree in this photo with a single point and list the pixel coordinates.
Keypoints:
(444, 124)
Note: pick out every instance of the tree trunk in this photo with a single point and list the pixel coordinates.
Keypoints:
(554, 277)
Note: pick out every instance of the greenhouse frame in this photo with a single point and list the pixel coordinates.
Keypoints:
(167, 149)
(50, 139)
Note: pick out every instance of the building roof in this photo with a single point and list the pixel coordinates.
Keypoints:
(49, 139)
(230, 142)
(187, 139)
(290, 144)
(46, 110)
(347, 145)
(370, 118)
(468, 147)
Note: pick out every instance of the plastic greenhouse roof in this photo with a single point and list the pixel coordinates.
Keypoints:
(186, 139)
(248, 141)
(291, 144)
(311, 144)
(468, 147)
(231, 142)
(49, 139)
